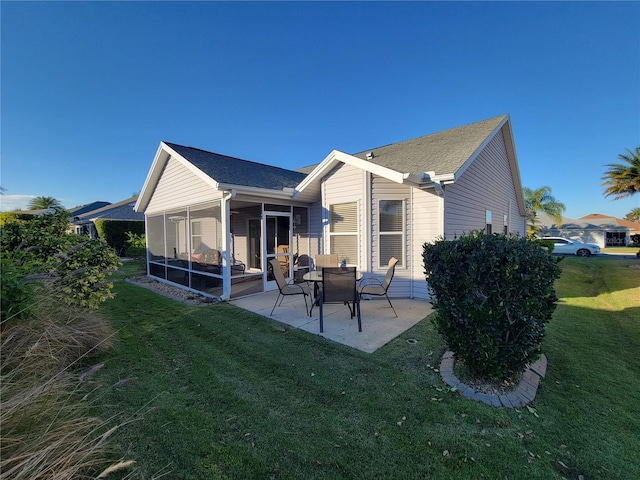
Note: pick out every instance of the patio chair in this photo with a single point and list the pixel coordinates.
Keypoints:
(288, 288)
(339, 286)
(378, 287)
(326, 261)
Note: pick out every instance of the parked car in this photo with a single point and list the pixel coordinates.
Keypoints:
(564, 246)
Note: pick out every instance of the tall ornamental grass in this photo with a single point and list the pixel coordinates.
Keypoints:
(47, 432)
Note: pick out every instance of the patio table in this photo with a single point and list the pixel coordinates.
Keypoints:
(315, 276)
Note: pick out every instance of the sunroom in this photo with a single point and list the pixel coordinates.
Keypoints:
(221, 238)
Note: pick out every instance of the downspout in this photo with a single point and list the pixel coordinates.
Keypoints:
(226, 242)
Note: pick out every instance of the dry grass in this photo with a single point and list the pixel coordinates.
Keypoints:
(46, 429)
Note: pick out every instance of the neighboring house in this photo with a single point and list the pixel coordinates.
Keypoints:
(83, 218)
(82, 209)
(602, 230)
(213, 222)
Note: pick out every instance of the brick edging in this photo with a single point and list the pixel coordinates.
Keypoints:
(523, 394)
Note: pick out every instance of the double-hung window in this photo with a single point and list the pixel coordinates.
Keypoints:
(391, 235)
(343, 231)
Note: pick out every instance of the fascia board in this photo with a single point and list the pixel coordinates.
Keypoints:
(515, 171)
(337, 156)
(162, 156)
(458, 173)
(152, 177)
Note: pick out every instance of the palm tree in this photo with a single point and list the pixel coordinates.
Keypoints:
(623, 180)
(633, 215)
(541, 201)
(41, 203)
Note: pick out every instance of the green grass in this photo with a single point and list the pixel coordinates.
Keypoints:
(625, 250)
(218, 392)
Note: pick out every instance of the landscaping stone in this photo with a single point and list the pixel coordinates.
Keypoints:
(523, 394)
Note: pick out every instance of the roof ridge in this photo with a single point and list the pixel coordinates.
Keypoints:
(229, 156)
(502, 116)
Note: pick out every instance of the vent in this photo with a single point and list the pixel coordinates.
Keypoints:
(370, 155)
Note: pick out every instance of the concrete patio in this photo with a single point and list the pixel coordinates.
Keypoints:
(379, 325)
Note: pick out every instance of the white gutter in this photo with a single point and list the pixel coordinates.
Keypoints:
(286, 192)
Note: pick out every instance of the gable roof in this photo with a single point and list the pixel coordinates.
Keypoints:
(598, 218)
(589, 222)
(443, 153)
(235, 171)
(89, 207)
(422, 162)
(222, 172)
(122, 211)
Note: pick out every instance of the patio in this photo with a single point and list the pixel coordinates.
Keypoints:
(379, 326)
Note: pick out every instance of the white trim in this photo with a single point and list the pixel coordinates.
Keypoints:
(336, 157)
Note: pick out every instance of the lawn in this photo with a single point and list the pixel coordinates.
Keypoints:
(217, 392)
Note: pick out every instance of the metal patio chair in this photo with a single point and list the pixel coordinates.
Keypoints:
(339, 286)
(288, 288)
(380, 288)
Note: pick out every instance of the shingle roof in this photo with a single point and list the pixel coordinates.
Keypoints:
(90, 207)
(442, 152)
(235, 171)
(122, 210)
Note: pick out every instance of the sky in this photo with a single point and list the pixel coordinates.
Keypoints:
(90, 89)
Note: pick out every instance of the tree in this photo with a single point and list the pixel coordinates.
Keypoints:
(633, 215)
(623, 180)
(42, 203)
(541, 201)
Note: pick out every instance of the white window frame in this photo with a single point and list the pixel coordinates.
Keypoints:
(355, 233)
(402, 232)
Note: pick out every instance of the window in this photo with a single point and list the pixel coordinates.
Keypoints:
(489, 228)
(391, 235)
(196, 236)
(343, 231)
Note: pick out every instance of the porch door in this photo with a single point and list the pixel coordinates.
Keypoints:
(277, 239)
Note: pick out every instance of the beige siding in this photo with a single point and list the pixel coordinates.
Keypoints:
(427, 224)
(384, 189)
(485, 185)
(345, 184)
(423, 220)
(179, 187)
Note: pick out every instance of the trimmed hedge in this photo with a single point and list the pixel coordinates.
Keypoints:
(114, 232)
(493, 295)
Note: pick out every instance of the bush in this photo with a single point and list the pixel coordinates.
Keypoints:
(136, 245)
(74, 267)
(114, 232)
(493, 295)
(548, 244)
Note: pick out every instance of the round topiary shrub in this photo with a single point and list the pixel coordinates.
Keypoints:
(493, 295)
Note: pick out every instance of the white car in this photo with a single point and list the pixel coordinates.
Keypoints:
(564, 246)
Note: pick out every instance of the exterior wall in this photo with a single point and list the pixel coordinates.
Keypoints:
(179, 187)
(485, 185)
(427, 223)
(345, 184)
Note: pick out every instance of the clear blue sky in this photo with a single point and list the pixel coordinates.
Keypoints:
(89, 89)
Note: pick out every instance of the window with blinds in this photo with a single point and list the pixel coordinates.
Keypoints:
(391, 232)
(343, 231)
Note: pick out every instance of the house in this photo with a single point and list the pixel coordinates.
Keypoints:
(603, 230)
(83, 218)
(89, 207)
(213, 222)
